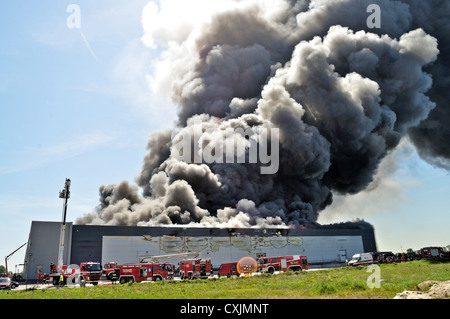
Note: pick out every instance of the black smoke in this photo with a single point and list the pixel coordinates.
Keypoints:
(341, 94)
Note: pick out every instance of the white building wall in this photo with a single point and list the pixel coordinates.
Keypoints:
(318, 249)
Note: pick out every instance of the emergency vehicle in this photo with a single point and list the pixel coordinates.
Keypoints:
(361, 259)
(282, 263)
(90, 272)
(432, 253)
(195, 268)
(227, 270)
(144, 272)
(108, 269)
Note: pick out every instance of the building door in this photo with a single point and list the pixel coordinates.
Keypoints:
(342, 255)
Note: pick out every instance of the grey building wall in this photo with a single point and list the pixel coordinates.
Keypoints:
(85, 242)
(42, 248)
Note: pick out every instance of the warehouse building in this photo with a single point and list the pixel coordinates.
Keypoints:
(129, 244)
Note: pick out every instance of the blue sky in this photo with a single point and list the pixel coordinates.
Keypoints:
(68, 113)
(83, 110)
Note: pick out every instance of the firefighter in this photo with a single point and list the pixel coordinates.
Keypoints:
(61, 281)
(113, 278)
(52, 267)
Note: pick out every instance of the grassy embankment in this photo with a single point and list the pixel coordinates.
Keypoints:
(331, 283)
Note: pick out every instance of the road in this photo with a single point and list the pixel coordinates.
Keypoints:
(24, 286)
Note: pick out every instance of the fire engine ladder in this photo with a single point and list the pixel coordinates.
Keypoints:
(148, 259)
(7, 257)
(65, 194)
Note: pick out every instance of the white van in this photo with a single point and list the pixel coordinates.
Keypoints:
(361, 259)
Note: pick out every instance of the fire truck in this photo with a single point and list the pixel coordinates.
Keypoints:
(108, 269)
(60, 274)
(227, 270)
(282, 263)
(195, 268)
(432, 253)
(144, 272)
(90, 272)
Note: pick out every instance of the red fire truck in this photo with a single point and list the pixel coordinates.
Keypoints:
(144, 272)
(282, 263)
(90, 272)
(227, 270)
(195, 268)
(109, 269)
(432, 253)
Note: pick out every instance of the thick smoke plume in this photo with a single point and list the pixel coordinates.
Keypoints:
(341, 94)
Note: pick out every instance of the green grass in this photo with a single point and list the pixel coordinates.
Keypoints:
(331, 283)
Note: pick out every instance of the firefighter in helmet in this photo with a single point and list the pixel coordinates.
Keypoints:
(113, 278)
(52, 267)
(61, 280)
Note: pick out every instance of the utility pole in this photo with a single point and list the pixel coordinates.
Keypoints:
(65, 194)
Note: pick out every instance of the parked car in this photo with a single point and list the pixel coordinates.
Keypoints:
(5, 283)
(14, 284)
(392, 259)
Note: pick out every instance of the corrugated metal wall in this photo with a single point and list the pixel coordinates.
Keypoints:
(42, 248)
(319, 249)
(85, 243)
(88, 241)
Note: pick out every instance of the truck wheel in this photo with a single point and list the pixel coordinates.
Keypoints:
(271, 270)
(122, 280)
